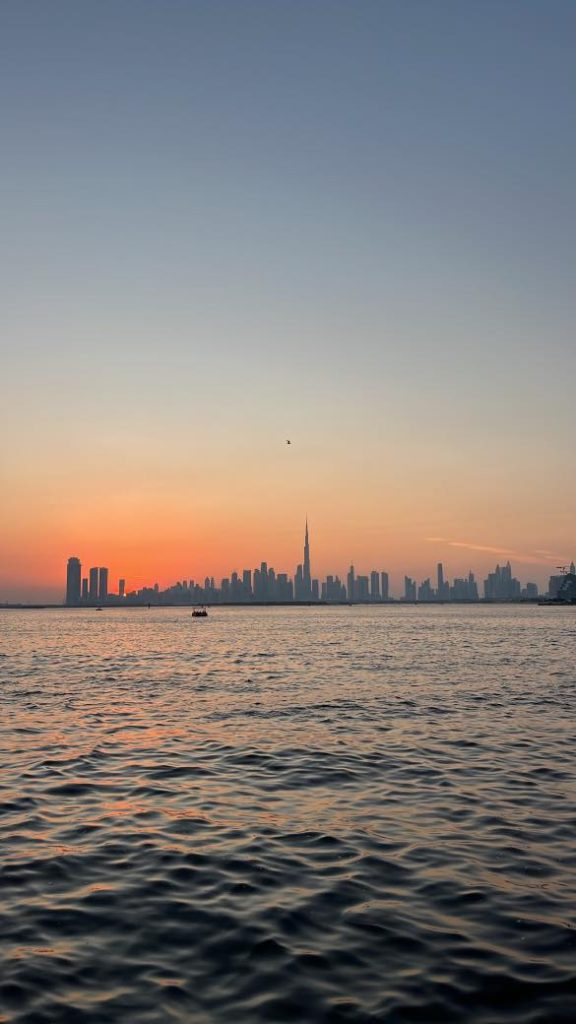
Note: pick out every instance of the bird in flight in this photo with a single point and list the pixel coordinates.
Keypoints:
(288, 442)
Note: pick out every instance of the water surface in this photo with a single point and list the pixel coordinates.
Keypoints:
(320, 815)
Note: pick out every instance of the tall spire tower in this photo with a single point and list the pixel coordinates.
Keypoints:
(307, 579)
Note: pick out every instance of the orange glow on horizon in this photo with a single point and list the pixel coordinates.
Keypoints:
(241, 509)
(131, 552)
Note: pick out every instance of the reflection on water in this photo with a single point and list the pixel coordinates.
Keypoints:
(279, 815)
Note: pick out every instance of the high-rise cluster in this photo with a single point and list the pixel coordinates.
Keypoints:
(465, 589)
(91, 589)
(265, 586)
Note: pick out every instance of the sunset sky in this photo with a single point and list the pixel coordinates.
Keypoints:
(228, 223)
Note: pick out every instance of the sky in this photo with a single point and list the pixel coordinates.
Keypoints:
(229, 223)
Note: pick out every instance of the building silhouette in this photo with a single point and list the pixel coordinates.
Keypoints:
(500, 585)
(303, 588)
(333, 589)
(464, 589)
(351, 584)
(73, 581)
(442, 586)
(559, 586)
(306, 577)
(266, 586)
(567, 589)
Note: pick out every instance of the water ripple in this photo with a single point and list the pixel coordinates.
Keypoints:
(320, 815)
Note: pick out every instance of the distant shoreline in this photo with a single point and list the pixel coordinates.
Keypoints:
(395, 603)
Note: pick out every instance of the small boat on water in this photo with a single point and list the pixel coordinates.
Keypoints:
(199, 613)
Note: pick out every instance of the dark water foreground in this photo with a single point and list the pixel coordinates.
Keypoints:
(317, 815)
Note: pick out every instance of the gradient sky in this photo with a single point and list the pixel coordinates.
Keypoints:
(227, 223)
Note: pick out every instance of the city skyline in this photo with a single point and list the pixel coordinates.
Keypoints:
(264, 585)
(536, 567)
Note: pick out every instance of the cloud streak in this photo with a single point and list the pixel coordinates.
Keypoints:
(535, 558)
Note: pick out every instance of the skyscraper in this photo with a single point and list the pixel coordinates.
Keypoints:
(73, 581)
(307, 579)
(102, 584)
(247, 584)
(472, 587)
(351, 584)
(93, 585)
(299, 584)
(500, 585)
(442, 588)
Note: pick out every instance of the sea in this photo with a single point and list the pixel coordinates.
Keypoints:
(284, 814)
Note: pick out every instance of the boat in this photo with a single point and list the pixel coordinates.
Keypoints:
(199, 613)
